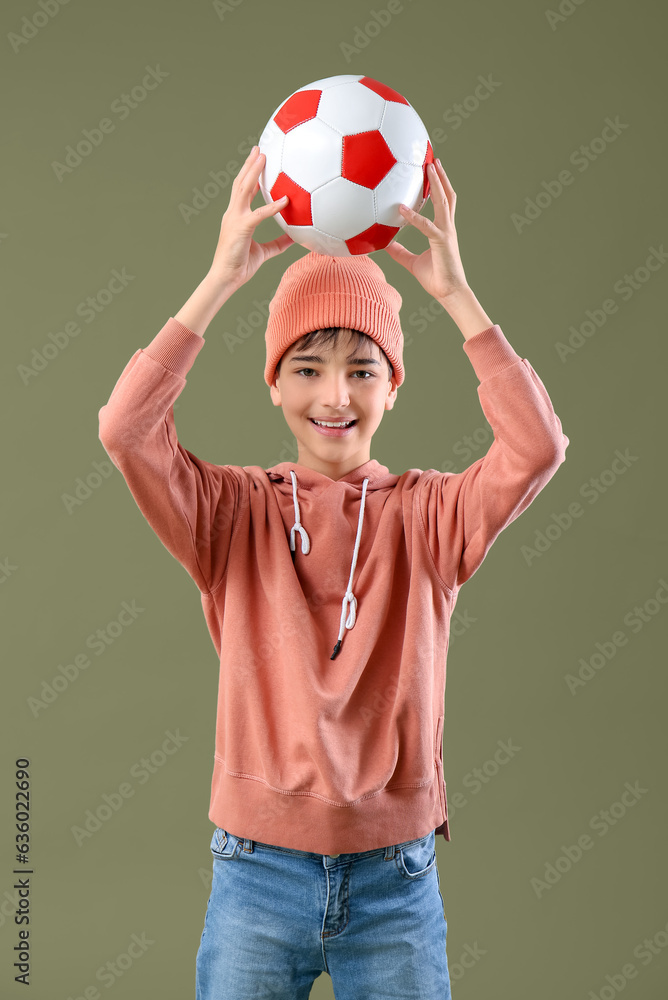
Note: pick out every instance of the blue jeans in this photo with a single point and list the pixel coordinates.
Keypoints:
(278, 918)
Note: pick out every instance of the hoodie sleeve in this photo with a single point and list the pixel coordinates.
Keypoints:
(187, 502)
(464, 512)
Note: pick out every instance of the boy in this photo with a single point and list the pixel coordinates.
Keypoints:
(327, 585)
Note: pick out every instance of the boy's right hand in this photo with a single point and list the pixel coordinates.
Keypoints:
(238, 256)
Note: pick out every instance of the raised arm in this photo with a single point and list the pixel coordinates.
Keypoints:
(187, 501)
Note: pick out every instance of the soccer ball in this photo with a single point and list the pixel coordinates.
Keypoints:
(347, 150)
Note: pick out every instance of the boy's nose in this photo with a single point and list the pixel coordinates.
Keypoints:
(335, 390)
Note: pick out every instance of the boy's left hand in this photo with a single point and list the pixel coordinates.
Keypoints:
(439, 269)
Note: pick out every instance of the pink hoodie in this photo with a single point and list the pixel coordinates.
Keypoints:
(329, 602)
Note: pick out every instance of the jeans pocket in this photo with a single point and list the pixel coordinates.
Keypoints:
(224, 845)
(416, 860)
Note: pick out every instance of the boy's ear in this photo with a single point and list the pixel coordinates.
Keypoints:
(275, 392)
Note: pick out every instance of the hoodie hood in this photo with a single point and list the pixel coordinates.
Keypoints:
(290, 477)
(379, 476)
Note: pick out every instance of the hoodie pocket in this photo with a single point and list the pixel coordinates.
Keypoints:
(438, 744)
(438, 763)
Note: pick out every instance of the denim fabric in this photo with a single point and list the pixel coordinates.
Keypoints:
(278, 918)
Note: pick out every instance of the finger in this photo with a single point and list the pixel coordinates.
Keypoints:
(439, 197)
(273, 206)
(249, 182)
(444, 207)
(445, 191)
(421, 223)
(402, 256)
(445, 181)
(253, 176)
(247, 168)
(276, 246)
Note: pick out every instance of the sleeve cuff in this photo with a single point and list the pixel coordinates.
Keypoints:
(175, 347)
(489, 352)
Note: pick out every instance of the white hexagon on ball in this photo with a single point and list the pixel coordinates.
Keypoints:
(313, 239)
(342, 207)
(271, 144)
(323, 162)
(351, 109)
(403, 183)
(404, 133)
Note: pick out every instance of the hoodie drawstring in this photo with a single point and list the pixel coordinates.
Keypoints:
(349, 598)
(306, 542)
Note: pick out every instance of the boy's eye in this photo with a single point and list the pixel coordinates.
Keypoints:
(300, 371)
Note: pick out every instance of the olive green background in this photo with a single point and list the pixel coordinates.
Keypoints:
(528, 626)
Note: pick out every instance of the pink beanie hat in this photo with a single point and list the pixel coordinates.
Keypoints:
(319, 291)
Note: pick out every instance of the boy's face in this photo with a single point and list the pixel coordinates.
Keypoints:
(334, 388)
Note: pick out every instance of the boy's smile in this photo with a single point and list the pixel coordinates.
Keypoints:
(334, 385)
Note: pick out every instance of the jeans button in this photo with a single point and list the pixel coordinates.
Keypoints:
(334, 855)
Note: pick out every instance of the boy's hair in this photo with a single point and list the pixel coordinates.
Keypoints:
(330, 335)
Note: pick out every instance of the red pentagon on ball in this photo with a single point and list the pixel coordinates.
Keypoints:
(387, 93)
(366, 158)
(299, 108)
(297, 212)
(376, 237)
